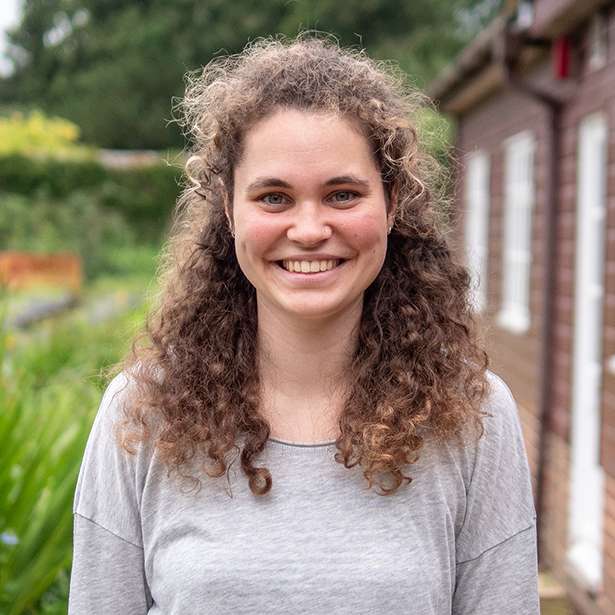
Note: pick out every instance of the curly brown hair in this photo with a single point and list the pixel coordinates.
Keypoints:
(419, 370)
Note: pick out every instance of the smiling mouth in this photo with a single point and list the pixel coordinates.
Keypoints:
(310, 267)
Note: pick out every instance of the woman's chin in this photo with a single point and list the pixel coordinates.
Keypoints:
(315, 310)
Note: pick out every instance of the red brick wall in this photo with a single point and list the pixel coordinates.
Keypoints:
(596, 92)
(517, 357)
(514, 357)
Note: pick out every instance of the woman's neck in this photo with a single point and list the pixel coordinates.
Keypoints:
(303, 364)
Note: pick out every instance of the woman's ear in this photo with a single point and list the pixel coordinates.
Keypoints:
(393, 200)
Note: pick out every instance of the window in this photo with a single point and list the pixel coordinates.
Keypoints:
(477, 225)
(597, 42)
(524, 17)
(514, 314)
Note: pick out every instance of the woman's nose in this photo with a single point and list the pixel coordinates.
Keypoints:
(309, 225)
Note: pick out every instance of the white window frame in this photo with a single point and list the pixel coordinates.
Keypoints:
(476, 232)
(597, 42)
(587, 476)
(519, 197)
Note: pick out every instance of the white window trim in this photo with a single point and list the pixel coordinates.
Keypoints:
(476, 232)
(519, 196)
(597, 42)
(587, 477)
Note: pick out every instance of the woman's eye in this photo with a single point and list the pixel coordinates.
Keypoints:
(346, 195)
(276, 199)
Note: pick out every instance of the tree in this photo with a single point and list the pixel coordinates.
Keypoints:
(113, 66)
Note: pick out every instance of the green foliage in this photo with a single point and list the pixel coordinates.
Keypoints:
(422, 36)
(113, 67)
(78, 224)
(145, 195)
(46, 416)
(435, 132)
(135, 262)
(57, 178)
(41, 465)
(34, 134)
(59, 190)
(55, 600)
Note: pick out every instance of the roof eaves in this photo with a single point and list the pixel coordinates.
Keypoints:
(558, 19)
(474, 57)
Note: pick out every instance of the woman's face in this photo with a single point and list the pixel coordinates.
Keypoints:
(309, 213)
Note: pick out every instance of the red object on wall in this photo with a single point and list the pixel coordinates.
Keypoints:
(561, 57)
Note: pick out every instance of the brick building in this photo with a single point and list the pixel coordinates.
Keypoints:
(533, 99)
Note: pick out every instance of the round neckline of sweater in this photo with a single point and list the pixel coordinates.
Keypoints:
(304, 445)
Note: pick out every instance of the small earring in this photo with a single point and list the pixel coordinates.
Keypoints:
(390, 228)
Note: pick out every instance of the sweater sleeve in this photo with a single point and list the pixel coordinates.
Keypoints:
(107, 573)
(501, 580)
(109, 487)
(108, 570)
(496, 553)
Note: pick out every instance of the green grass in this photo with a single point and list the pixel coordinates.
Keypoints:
(50, 387)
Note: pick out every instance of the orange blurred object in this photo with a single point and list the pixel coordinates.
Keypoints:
(19, 270)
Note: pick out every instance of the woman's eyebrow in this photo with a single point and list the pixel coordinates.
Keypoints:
(267, 182)
(348, 179)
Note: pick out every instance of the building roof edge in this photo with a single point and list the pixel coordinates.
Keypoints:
(479, 53)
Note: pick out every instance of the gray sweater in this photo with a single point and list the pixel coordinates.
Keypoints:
(460, 539)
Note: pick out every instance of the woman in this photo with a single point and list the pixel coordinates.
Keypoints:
(313, 320)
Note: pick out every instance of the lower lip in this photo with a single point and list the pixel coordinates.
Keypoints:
(309, 279)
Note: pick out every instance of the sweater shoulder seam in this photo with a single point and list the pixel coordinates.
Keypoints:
(108, 530)
(473, 559)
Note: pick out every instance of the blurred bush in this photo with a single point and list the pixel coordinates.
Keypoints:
(35, 134)
(56, 194)
(26, 175)
(436, 134)
(49, 393)
(144, 196)
(79, 224)
(51, 385)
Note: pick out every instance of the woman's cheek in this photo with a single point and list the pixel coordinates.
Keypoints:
(258, 236)
(367, 231)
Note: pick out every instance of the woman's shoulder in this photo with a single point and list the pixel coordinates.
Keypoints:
(500, 393)
(476, 454)
(120, 389)
(114, 392)
(502, 420)
(500, 416)
(500, 453)
(118, 424)
(499, 492)
(110, 479)
(501, 427)
(110, 413)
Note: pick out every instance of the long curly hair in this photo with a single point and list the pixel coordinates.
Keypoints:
(419, 370)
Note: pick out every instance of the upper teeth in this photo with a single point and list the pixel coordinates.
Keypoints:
(309, 266)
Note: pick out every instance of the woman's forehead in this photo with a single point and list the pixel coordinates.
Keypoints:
(290, 141)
